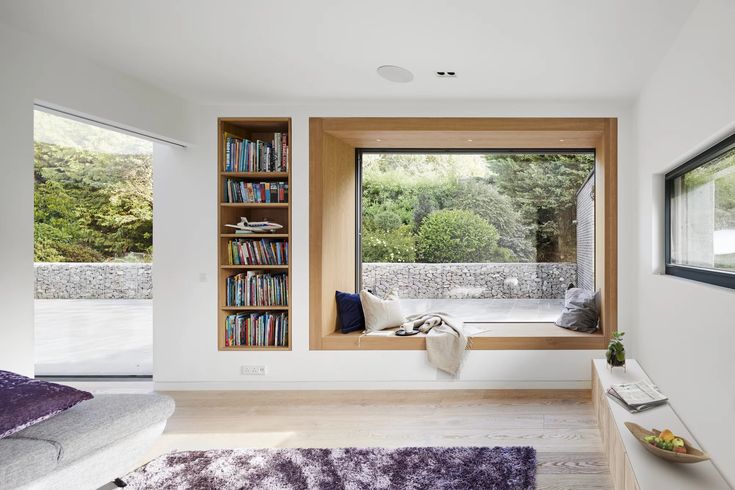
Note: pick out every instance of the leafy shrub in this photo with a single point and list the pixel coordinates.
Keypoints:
(389, 246)
(387, 221)
(454, 235)
(79, 253)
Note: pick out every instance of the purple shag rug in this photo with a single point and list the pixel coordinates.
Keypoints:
(341, 468)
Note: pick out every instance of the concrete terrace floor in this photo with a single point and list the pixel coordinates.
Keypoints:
(115, 337)
(94, 337)
(490, 310)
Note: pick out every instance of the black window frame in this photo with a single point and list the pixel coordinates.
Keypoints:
(358, 182)
(717, 277)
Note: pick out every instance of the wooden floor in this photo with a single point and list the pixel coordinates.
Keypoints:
(559, 424)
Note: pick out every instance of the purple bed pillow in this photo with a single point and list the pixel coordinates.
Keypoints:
(26, 401)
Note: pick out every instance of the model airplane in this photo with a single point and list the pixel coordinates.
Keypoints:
(245, 226)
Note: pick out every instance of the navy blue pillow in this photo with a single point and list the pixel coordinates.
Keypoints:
(349, 310)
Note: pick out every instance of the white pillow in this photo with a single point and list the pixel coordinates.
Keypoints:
(381, 313)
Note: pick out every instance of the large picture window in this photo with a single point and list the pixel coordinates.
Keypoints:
(490, 236)
(700, 217)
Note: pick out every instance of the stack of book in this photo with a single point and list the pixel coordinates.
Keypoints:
(257, 288)
(243, 155)
(638, 396)
(263, 192)
(258, 252)
(257, 329)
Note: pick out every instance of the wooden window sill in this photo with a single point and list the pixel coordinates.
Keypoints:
(498, 336)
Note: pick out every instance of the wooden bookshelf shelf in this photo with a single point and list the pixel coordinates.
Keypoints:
(257, 347)
(255, 308)
(267, 131)
(254, 204)
(254, 235)
(251, 266)
(256, 175)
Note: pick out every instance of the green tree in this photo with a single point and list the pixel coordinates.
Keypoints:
(91, 206)
(543, 188)
(453, 235)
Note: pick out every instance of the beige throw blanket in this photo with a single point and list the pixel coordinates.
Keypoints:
(446, 339)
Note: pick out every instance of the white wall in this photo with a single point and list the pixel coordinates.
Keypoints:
(185, 289)
(34, 71)
(686, 330)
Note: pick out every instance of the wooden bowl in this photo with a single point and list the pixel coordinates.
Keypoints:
(693, 455)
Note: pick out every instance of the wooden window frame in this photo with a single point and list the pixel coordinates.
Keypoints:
(332, 202)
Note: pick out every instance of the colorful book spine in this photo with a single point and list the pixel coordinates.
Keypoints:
(257, 252)
(256, 329)
(257, 288)
(243, 155)
(239, 191)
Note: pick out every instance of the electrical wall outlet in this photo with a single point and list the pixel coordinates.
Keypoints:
(252, 370)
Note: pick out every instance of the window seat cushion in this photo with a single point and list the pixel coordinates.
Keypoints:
(349, 310)
(581, 311)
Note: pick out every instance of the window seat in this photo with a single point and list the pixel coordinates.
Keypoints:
(497, 336)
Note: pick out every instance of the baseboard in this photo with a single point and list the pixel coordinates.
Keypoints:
(373, 385)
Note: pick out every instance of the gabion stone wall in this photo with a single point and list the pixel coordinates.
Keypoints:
(56, 280)
(492, 281)
(586, 235)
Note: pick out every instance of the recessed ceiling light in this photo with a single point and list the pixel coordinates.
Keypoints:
(395, 73)
(469, 140)
(378, 140)
(562, 141)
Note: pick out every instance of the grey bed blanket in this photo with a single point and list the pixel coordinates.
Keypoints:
(446, 338)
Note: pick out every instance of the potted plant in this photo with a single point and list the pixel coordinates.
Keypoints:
(616, 350)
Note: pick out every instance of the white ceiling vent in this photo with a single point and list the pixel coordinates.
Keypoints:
(446, 74)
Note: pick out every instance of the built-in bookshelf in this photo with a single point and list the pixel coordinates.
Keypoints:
(254, 183)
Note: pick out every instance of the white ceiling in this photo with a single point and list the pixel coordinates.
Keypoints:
(242, 50)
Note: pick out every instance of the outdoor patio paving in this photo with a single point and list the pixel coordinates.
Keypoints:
(490, 310)
(94, 337)
(115, 337)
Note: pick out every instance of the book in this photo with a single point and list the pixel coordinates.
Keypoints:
(244, 155)
(637, 396)
(240, 191)
(257, 252)
(257, 288)
(256, 329)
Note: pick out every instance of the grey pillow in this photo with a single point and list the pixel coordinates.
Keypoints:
(581, 312)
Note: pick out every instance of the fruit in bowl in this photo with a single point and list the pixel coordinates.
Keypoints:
(666, 445)
(668, 441)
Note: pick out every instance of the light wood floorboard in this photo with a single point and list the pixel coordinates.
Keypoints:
(559, 424)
